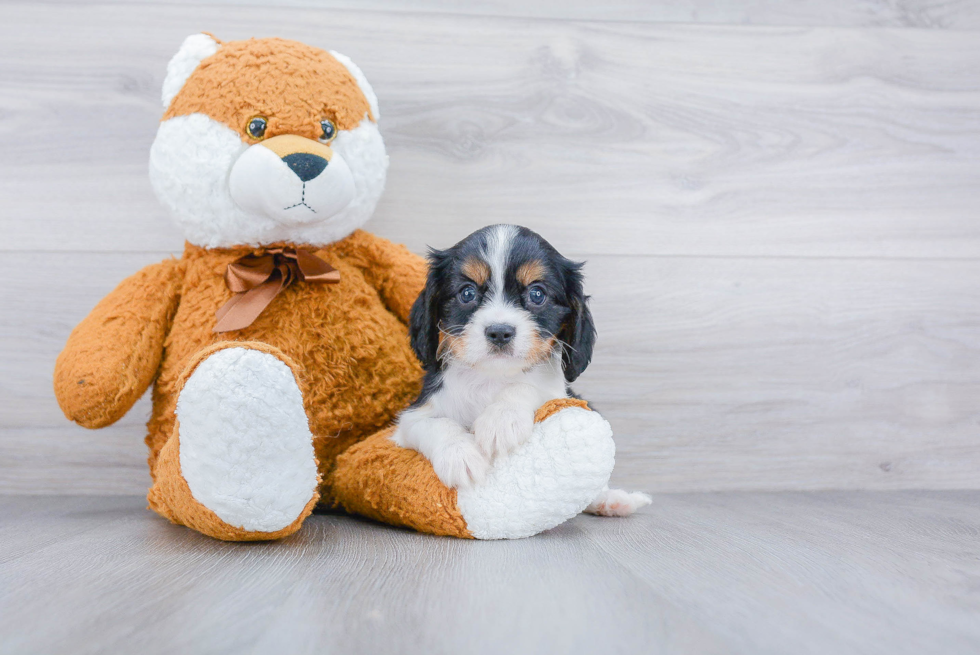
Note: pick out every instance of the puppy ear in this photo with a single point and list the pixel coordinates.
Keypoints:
(423, 320)
(578, 331)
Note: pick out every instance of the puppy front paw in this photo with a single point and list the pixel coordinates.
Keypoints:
(500, 429)
(460, 464)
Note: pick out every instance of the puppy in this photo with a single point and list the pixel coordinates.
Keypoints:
(502, 326)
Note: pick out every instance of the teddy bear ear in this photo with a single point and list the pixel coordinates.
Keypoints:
(362, 82)
(193, 50)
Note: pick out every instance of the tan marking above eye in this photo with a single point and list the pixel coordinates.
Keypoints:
(530, 272)
(476, 270)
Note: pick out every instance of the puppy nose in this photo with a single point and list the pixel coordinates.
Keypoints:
(305, 165)
(501, 334)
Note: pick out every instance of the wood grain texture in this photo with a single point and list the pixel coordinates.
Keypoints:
(841, 572)
(631, 138)
(929, 14)
(780, 221)
(715, 373)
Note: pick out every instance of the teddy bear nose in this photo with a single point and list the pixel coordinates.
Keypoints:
(305, 165)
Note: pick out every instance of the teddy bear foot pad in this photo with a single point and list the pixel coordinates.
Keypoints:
(246, 451)
(548, 480)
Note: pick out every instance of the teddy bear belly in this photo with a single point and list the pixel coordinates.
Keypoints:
(359, 370)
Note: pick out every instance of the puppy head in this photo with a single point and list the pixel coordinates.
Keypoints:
(266, 140)
(502, 300)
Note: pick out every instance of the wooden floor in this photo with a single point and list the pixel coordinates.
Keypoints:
(754, 573)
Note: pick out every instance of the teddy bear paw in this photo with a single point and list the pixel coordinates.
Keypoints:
(552, 477)
(246, 451)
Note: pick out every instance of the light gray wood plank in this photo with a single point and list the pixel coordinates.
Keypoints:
(716, 373)
(813, 573)
(839, 572)
(68, 459)
(930, 14)
(632, 138)
(788, 374)
(140, 584)
(31, 524)
(49, 294)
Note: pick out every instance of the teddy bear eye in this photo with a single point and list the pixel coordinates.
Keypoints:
(329, 131)
(256, 127)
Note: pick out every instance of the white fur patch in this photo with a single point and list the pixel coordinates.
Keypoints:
(195, 49)
(362, 82)
(246, 450)
(190, 166)
(618, 502)
(499, 242)
(548, 480)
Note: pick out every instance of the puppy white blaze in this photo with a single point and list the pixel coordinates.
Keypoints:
(499, 243)
(499, 310)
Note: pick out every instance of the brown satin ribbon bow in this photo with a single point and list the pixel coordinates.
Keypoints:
(257, 279)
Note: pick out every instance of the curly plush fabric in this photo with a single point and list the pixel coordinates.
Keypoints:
(330, 90)
(171, 495)
(96, 381)
(381, 480)
(548, 480)
(358, 372)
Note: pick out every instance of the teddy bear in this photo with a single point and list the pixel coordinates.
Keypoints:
(277, 345)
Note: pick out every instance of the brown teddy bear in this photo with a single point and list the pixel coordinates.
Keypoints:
(277, 345)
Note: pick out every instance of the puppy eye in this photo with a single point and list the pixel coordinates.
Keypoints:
(536, 295)
(467, 294)
(256, 127)
(329, 131)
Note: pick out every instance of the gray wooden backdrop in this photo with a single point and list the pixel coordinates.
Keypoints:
(778, 203)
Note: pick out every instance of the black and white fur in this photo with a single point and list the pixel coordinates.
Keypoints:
(502, 326)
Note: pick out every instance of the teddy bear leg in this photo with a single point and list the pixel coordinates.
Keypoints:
(548, 480)
(240, 464)
(379, 479)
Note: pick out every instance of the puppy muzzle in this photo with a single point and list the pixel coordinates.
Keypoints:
(291, 180)
(499, 336)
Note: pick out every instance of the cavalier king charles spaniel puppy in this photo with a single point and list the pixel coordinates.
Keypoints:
(502, 326)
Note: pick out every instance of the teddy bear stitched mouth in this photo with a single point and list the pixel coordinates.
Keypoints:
(302, 200)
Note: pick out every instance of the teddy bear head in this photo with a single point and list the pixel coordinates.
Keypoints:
(266, 141)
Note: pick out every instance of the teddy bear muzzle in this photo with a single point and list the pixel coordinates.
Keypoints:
(291, 180)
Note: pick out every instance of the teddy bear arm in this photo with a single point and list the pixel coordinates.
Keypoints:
(392, 269)
(112, 356)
